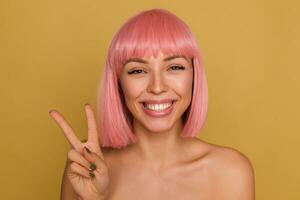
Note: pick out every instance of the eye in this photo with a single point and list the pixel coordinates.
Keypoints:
(134, 71)
(177, 67)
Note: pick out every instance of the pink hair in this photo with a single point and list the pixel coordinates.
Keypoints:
(146, 34)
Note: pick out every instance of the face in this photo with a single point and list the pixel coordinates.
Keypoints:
(157, 90)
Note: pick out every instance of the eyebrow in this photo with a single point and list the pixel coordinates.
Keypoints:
(145, 62)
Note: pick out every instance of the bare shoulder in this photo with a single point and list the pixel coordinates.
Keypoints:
(223, 156)
(233, 172)
(231, 159)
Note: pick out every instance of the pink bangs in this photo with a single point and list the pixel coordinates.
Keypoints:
(149, 33)
(143, 35)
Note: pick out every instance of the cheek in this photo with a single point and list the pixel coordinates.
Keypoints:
(182, 85)
(132, 88)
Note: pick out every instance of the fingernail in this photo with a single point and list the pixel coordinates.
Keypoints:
(87, 149)
(50, 111)
(92, 174)
(92, 166)
(86, 104)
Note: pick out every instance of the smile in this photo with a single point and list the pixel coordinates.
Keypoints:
(158, 107)
(158, 110)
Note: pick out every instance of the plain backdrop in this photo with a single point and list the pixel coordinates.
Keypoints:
(52, 55)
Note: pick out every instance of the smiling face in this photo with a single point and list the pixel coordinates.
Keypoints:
(146, 82)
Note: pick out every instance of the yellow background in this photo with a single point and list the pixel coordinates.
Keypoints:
(52, 54)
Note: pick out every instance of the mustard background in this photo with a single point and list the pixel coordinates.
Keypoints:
(52, 54)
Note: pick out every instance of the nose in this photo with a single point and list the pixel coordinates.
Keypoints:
(157, 84)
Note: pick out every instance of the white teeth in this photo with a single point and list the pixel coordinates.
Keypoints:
(157, 107)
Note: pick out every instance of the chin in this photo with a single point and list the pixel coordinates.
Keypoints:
(158, 127)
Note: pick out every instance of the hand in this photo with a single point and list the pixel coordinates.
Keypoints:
(87, 172)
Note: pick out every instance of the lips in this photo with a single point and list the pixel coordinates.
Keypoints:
(163, 113)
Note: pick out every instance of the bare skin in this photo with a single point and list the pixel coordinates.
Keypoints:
(162, 165)
(86, 173)
(203, 172)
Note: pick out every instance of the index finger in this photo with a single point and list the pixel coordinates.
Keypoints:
(67, 130)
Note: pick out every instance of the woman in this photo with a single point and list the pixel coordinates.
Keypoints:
(153, 102)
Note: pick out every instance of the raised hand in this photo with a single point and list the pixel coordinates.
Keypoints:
(86, 170)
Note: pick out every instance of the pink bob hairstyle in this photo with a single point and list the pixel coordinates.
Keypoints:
(143, 35)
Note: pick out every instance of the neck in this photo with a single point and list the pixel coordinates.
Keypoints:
(158, 149)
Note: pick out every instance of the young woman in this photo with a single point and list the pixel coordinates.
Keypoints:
(152, 103)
